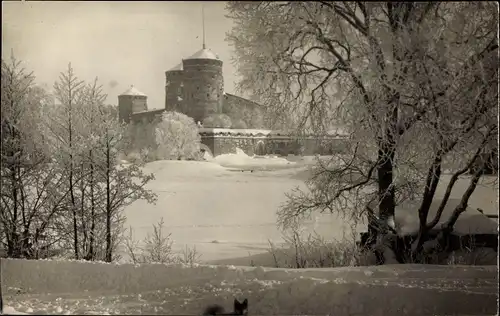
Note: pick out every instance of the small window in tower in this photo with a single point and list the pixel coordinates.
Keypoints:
(208, 95)
(197, 88)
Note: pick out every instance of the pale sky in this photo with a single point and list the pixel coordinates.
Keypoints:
(122, 43)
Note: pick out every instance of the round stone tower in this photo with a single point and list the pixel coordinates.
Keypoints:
(129, 102)
(174, 93)
(203, 85)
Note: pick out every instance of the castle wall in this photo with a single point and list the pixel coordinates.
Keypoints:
(139, 104)
(129, 104)
(146, 116)
(238, 108)
(261, 142)
(124, 108)
(174, 93)
(203, 87)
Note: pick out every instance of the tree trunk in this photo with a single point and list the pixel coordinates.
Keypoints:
(108, 203)
(92, 210)
(13, 241)
(82, 214)
(73, 208)
(433, 177)
(386, 192)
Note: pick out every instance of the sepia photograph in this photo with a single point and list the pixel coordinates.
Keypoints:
(331, 158)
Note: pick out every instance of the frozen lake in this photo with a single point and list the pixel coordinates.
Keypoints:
(227, 213)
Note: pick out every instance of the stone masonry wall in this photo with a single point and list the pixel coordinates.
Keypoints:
(261, 142)
(174, 90)
(238, 108)
(203, 88)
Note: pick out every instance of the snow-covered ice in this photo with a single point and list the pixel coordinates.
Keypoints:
(228, 213)
(206, 201)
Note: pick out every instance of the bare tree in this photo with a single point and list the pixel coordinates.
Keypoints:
(415, 84)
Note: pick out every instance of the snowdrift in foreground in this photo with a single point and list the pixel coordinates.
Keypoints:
(240, 158)
(9, 310)
(63, 287)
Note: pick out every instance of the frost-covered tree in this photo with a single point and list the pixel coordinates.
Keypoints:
(217, 121)
(414, 83)
(121, 185)
(69, 141)
(27, 178)
(62, 187)
(34, 194)
(177, 137)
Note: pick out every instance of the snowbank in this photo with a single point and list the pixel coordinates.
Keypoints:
(63, 287)
(9, 310)
(241, 159)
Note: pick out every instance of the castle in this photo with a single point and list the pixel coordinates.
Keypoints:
(195, 87)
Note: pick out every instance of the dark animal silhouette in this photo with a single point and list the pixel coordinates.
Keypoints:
(239, 308)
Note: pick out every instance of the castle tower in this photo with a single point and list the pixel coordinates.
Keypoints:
(174, 89)
(203, 85)
(129, 102)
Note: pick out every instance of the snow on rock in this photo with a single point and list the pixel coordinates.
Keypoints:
(236, 131)
(240, 158)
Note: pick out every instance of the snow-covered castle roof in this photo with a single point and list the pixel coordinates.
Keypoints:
(133, 92)
(204, 53)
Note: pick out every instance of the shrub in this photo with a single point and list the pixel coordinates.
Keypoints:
(313, 251)
(177, 137)
(134, 157)
(157, 248)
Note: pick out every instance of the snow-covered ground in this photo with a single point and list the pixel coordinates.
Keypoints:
(65, 287)
(226, 211)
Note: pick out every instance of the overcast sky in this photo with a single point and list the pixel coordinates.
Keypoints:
(122, 43)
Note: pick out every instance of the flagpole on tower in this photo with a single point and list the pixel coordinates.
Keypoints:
(203, 22)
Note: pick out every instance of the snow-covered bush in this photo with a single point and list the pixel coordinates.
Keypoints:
(217, 121)
(157, 248)
(134, 157)
(177, 137)
(311, 250)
